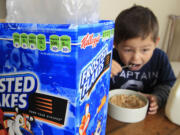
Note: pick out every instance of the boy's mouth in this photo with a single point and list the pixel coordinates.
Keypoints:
(134, 66)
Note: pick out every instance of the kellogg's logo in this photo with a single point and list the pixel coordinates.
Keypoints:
(88, 40)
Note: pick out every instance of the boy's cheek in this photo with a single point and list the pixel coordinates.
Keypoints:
(125, 59)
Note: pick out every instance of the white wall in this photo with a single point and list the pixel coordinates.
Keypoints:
(109, 9)
(2, 9)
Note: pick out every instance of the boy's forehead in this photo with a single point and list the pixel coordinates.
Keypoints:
(137, 42)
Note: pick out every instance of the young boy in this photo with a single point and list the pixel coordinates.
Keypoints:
(147, 67)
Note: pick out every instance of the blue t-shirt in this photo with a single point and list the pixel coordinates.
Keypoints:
(157, 72)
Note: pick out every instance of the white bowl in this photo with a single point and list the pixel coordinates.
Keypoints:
(126, 114)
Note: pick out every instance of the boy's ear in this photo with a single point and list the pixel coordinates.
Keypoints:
(157, 41)
(115, 45)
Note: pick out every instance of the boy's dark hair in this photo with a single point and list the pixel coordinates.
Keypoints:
(136, 21)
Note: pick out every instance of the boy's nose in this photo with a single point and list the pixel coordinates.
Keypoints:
(136, 56)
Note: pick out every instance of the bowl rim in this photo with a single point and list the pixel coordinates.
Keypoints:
(121, 91)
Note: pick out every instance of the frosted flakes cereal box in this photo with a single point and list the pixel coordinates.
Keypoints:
(54, 79)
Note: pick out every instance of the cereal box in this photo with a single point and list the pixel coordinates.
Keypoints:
(54, 78)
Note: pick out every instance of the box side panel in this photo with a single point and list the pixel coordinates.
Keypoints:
(95, 54)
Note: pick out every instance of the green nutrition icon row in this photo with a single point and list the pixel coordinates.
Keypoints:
(32, 41)
(107, 34)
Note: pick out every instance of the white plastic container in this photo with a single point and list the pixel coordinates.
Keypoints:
(172, 109)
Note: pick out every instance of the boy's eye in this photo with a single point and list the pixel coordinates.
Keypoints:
(145, 50)
(127, 50)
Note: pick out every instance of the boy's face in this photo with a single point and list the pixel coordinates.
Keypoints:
(136, 51)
